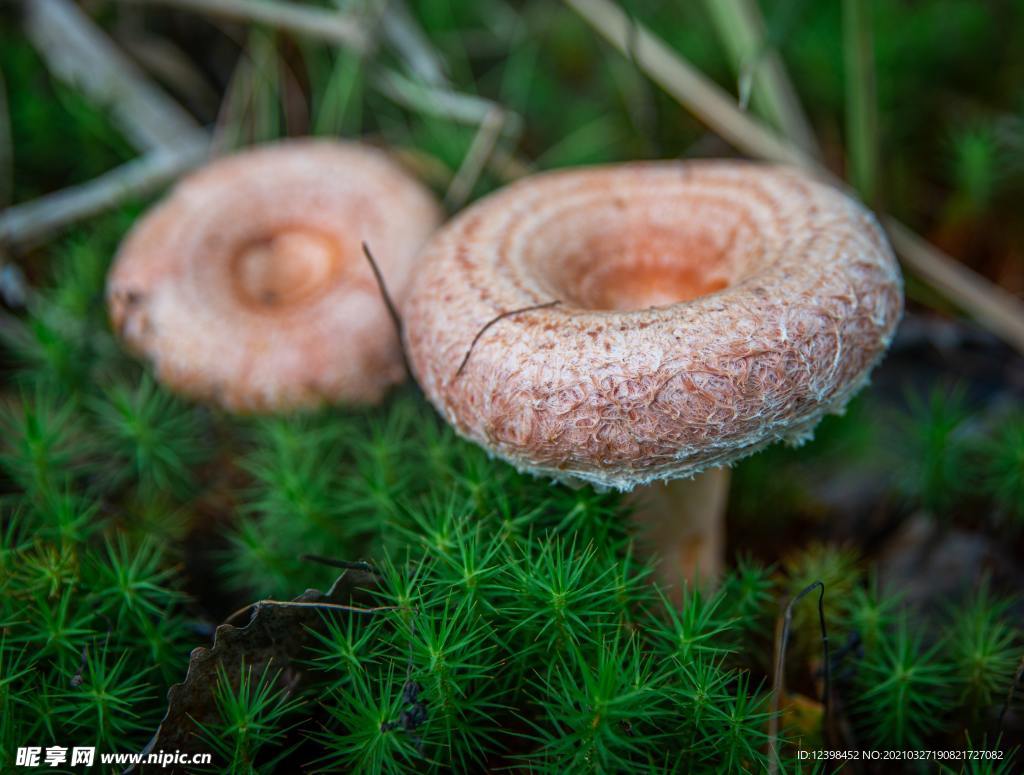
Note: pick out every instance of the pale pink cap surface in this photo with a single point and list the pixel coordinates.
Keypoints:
(247, 285)
(707, 309)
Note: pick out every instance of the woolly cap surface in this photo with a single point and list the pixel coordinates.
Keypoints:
(707, 309)
(247, 286)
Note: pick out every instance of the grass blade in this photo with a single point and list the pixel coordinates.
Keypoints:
(861, 102)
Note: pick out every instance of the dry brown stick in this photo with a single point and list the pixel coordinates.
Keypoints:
(442, 101)
(995, 308)
(171, 66)
(26, 223)
(310, 22)
(688, 85)
(477, 157)
(429, 68)
(741, 27)
(402, 32)
(79, 52)
(322, 606)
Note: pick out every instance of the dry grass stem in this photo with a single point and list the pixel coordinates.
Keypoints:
(310, 22)
(80, 53)
(31, 221)
(995, 308)
(741, 27)
(479, 153)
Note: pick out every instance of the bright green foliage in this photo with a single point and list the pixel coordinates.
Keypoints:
(42, 446)
(904, 688)
(60, 136)
(91, 620)
(148, 436)
(517, 654)
(520, 627)
(62, 342)
(85, 630)
(254, 714)
(506, 590)
(870, 614)
(750, 590)
(743, 718)
(372, 701)
(697, 629)
(598, 705)
(984, 648)
(132, 582)
(560, 592)
(292, 506)
(452, 654)
(345, 648)
(102, 705)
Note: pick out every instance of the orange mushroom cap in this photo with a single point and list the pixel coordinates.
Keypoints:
(247, 286)
(707, 309)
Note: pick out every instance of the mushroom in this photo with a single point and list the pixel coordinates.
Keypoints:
(247, 285)
(705, 309)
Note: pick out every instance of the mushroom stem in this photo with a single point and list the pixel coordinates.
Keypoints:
(682, 525)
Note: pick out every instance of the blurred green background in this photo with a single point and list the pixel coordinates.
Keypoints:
(133, 522)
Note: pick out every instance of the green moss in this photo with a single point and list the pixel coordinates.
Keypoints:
(526, 632)
(46, 115)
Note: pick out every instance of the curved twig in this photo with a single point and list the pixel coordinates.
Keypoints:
(778, 680)
(491, 322)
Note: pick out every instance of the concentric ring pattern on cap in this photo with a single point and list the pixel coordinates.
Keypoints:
(707, 309)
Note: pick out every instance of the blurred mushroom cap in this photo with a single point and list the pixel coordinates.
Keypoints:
(707, 309)
(247, 285)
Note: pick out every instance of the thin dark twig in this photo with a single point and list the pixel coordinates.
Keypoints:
(491, 322)
(343, 564)
(392, 309)
(780, 663)
(299, 604)
(1009, 694)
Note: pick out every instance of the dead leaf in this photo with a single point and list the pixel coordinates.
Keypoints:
(277, 633)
